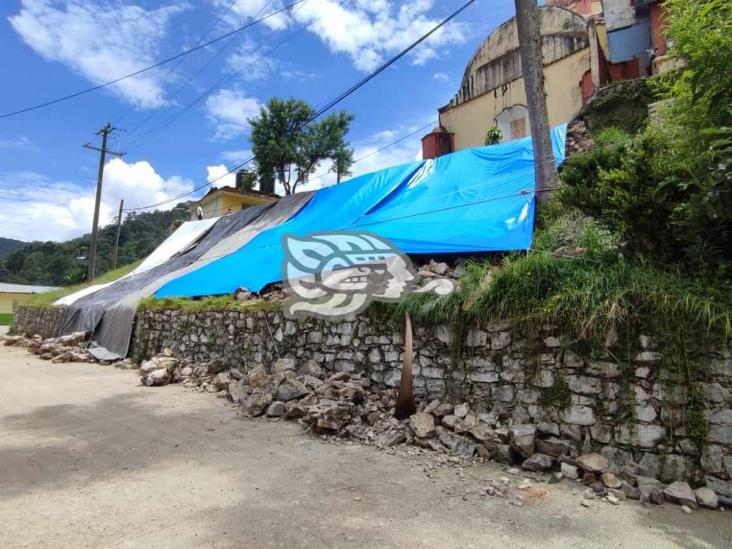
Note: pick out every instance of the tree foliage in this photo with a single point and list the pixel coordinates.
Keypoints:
(667, 191)
(288, 150)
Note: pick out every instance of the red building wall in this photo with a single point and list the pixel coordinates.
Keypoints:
(658, 28)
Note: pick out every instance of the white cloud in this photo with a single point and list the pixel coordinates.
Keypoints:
(100, 41)
(372, 30)
(35, 207)
(245, 10)
(228, 110)
(441, 76)
(249, 63)
(19, 143)
(235, 156)
(218, 176)
(367, 31)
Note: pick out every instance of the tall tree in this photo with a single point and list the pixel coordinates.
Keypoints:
(287, 149)
(342, 162)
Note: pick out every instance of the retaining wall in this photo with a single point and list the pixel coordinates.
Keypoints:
(676, 422)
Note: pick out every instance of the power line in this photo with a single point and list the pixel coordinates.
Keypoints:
(218, 84)
(150, 67)
(366, 79)
(178, 64)
(380, 149)
(190, 79)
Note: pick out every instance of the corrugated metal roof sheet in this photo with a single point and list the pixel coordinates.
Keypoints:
(25, 289)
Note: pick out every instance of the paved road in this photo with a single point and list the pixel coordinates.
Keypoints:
(88, 458)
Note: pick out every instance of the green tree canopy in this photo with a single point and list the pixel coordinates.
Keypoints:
(288, 150)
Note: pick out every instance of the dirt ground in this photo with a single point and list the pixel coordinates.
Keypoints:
(89, 458)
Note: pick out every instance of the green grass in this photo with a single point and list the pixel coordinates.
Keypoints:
(585, 296)
(216, 303)
(6, 319)
(39, 300)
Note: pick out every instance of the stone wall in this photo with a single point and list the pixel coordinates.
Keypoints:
(39, 320)
(675, 422)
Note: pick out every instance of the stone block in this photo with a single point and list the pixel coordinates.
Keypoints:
(578, 415)
(522, 439)
(645, 436)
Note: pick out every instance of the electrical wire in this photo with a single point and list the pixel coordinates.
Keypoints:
(184, 85)
(218, 84)
(150, 67)
(176, 65)
(333, 102)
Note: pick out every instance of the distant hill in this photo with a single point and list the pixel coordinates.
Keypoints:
(9, 245)
(64, 263)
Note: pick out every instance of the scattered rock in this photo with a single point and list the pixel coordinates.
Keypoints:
(290, 388)
(595, 463)
(570, 471)
(538, 462)
(422, 425)
(276, 409)
(706, 498)
(461, 410)
(257, 402)
(611, 498)
(681, 493)
(522, 439)
(686, 509)
(443, 409)
(629, 490)
(611, 481)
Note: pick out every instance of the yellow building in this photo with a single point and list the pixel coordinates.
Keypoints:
(492, 90)
(225, 200)
(12, 293)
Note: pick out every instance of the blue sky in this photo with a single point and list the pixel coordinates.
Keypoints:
(55, 47)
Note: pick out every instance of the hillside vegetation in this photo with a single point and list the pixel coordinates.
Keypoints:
(9, 245)
(64, 263)
(639, 239)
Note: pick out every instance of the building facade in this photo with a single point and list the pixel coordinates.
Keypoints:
(585, 44)
(10, 294)
(225, 200)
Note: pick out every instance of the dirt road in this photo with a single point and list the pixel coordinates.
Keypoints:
(88, 458)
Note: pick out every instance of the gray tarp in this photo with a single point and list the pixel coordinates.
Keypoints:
(110, 312)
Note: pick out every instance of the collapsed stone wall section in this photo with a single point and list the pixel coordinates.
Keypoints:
(644, 411)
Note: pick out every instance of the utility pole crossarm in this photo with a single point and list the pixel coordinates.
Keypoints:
(113, 153)
(103, 151)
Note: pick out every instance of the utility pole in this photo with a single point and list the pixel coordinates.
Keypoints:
(528, 23)
(119, 228)
(104, 132)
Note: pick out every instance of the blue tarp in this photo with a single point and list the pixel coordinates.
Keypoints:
(474, 200)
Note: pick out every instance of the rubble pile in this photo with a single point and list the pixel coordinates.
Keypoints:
(278, 293)
(66, 348)
(347, 406)
(579, 139)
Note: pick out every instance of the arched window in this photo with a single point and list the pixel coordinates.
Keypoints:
(513, 122)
